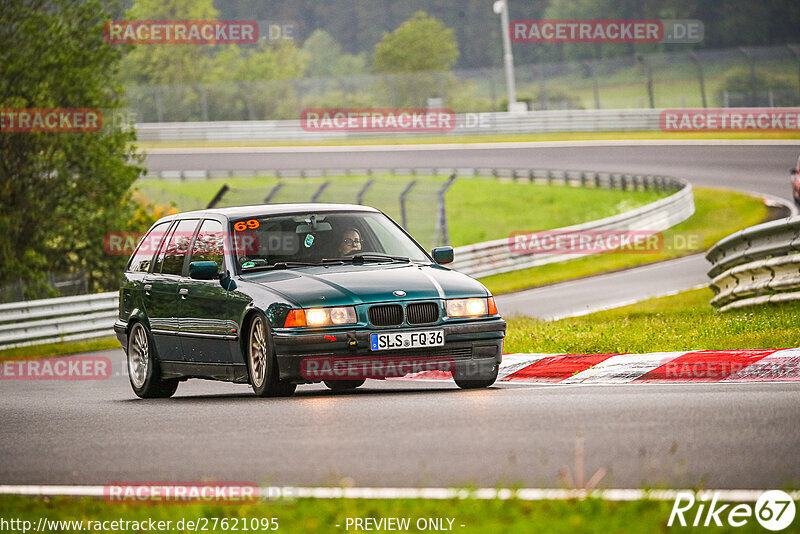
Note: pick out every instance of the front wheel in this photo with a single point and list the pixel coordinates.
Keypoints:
(476, 375)
(262, 364)
(143, 369)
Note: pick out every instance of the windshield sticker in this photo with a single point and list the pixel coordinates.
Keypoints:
(309, 240)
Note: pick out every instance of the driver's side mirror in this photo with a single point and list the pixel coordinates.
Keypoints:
(442, 255)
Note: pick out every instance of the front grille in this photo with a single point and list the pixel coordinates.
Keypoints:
(455, 353)
(422, 313)
(386, 315)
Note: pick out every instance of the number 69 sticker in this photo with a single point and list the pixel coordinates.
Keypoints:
(241, 226)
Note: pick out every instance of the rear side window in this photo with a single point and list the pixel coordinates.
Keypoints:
(140, 260)
(178, 247)
(208, 246)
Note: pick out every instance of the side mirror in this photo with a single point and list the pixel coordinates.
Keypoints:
(203, 270)
(442, 255)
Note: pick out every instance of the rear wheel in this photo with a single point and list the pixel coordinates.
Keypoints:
(262, 364)
(143, 369)
(476, 375)
(343, 385)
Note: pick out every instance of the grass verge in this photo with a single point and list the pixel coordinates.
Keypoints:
(718, 213)
(510, 138)
(314, 515)
(479, 209)
(685, 321)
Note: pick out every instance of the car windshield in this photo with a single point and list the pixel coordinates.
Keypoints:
(318, 238)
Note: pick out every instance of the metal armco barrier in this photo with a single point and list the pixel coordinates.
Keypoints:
(757, 265)
(583, 120)
(495, 257)
(61, 319)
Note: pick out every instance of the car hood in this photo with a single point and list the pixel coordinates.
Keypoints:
(341, 285)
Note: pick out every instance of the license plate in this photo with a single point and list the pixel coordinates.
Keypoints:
(406, 340)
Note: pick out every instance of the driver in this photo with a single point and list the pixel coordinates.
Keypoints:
(351, 242)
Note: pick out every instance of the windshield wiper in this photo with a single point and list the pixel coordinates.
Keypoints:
(278, 265)
(361, 258)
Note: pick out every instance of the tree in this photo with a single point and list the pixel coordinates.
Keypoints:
(325, 57)
(422, 43)
(60, 192)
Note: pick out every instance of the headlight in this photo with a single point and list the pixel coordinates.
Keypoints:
(321, 317)
(477, 307)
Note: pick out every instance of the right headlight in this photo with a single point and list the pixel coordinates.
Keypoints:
(474, 307)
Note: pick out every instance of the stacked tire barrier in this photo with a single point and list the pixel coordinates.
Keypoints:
(757, 265)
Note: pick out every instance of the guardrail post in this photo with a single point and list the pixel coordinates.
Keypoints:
(273, 192)
(319, 191)
(403, 196)
(363, 191)
(218, 196)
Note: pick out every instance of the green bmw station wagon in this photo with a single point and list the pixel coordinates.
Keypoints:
(280, 295)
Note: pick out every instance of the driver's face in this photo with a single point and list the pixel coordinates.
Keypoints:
(350, 241)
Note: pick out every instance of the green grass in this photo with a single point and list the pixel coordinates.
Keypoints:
(718, 213)
(489, 138)
(313, 515)
(681, 322)
(60, 349)
(478, 209)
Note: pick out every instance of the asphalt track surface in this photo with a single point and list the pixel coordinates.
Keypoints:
(406, 433)
(401, 433)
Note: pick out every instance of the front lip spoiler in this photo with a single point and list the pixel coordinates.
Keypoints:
(300, 338)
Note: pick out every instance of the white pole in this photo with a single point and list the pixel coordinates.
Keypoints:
(500, 7)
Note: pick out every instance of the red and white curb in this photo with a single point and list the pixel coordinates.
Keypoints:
(754, 365)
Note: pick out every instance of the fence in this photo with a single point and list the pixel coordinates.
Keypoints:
(757, 265)
(736, 77)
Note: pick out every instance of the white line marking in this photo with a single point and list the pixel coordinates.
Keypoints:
(525, 494)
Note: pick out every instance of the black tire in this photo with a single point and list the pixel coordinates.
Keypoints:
(262, 365)
(476, 376)
(144, 372)
(343, 385)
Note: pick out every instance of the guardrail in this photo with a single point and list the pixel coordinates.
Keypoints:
(757, 265)
(489, 123)
(88, 316)
(33, 322)
(495, 257)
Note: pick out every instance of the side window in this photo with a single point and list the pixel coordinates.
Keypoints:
(178, 247)
(208, 246)
(140, 260)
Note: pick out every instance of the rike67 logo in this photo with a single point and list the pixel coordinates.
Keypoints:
(774, 510)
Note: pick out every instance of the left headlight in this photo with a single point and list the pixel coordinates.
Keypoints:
(475, 307)
(322, 316)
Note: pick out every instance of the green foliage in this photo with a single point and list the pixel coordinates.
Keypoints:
(746, 88)
(61, 192)
(325, 57)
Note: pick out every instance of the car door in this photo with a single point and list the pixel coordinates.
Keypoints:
(161, 286)
(206, 329)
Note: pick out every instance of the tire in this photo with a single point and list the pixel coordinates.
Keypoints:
(144, 372)
(476, 377)
(262, 366)
(343, 385)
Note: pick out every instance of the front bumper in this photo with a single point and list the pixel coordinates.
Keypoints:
(468, 345)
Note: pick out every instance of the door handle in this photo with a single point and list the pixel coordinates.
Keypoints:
(183, 292)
